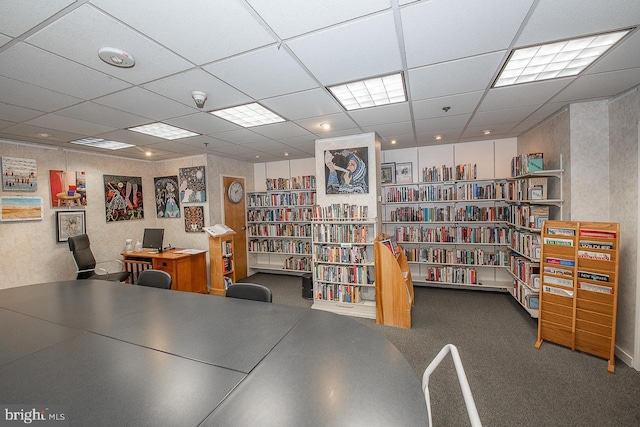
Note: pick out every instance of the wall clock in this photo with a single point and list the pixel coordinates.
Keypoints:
(235, 192)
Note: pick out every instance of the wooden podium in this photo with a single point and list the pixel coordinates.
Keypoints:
(394, 286)
(188, 270)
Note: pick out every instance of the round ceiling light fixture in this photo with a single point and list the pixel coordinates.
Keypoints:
(116, 57)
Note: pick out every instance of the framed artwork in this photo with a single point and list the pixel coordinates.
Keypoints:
(404, 173)
(193, 219)
(388, 173)
(123, 198)
(21, 209)
(167, 197)
(19, 174)
(66, 184)
(346, 171)
(193, 185)
(69, 224)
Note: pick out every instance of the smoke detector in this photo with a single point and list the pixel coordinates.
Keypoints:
(116, 57)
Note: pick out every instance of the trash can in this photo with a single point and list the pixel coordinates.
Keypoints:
(307, 286)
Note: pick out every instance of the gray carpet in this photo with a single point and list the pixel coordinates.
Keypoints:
(513, 384)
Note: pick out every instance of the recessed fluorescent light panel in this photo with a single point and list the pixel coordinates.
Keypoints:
(102, 143)
(249, 115)
(162, 130)
(555, 60)
(371, 92)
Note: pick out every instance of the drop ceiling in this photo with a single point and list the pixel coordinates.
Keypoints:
(283, 54)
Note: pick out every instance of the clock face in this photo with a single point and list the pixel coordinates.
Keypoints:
(235, 192)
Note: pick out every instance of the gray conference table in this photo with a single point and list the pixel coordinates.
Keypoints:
(115, 354)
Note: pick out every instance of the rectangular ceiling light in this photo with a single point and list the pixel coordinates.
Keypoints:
(163, 130)
(102, 143)
(371, 92)
(555, 60)
(249, 115)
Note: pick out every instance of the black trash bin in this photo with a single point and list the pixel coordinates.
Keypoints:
(307, 286)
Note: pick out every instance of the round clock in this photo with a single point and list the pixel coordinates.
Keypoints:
(235, 192)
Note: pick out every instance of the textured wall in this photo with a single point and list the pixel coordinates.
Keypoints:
(624, 115)
(29, 252)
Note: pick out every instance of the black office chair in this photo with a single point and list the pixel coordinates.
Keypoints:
(250, 291)
(86, 263)
(155, 279)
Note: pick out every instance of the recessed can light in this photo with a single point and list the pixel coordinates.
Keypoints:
(487, 132)
(44, 135)
(393, 141)
(116, 57)
(325, 126)
(437, 137)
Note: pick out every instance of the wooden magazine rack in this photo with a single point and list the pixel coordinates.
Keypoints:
(579, 286)
(394, 287)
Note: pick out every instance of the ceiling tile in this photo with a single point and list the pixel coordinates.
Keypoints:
(535, 93)
(364, 48)
(180, 86)
(4, 39)
(268, 145)
(203, 123)
(34, 97)
(391, 129)
(280, 130)
(201, 30)
(301, 105)
(54, 121)
(5, 124)
(263, 73)
(339, 121)
(237, 149)
(99, 30)
(402, 141)
(441, 124)
(142, 102)
(547, 110)
(240, 136)
(130, 137)
(454, 77)
(31, 132)
(383, 114)
(509, 115)
(497, 131)
(442, 30)
(458, 104)
(303, 17)
(448, 136)
(14, 113)
(96, 113)
(16, 19)
(200, 141)
(175, 146)
(599, 85)
(557, 20)
(624, 55)
(24, 62)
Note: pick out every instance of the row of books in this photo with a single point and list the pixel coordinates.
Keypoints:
(302, 198)
(527, 297)
(525, 270)
(529, 216)
(452, 234)
(451, 213)
(341, 211)
(279, 230)
(280, 214)
(437, 193)
(297, 264)
(354, 254)
(281, 246)
(227, 265)
(458, 275)
(227, 249)
(526, 244)
(527, 163)
(527, 189)
(448, 173)
(338, 293)
(294, 183)
(341, 233)
(457, 256)
(353, 274)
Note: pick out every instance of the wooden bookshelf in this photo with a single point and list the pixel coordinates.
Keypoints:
(579, 286)
(394, 287)
(222, 263)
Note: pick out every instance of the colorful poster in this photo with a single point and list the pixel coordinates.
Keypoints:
(346, 171)
(19, 174)
(193, 186)
(123, 198)
(193, 219)
(21, 208)
(167, 201)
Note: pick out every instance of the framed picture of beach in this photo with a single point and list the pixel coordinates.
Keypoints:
(21, 209)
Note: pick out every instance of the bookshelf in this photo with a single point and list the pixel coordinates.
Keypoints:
(394, 286)
(279, 226)
(343, 260)
(530, 192)
(453, 227)
(579, 281)
(221, 254)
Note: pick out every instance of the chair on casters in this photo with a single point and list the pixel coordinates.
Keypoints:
(86, 263)
(155, 279)
(250, 291)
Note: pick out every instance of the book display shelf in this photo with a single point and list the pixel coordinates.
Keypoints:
(343, 260)
(222, 272)
(529, 192)
(279, 225)
(453, 227)
(579, 281)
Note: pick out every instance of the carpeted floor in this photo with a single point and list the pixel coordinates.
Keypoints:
(513, 384)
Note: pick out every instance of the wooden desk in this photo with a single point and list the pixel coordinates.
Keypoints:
(188, 271)
(112, 354)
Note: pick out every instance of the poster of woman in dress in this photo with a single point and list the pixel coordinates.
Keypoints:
(167, 203)
(193, 186)
(123, 198)
(346, 171)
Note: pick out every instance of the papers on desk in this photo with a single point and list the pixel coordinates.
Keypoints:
(189, 251)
